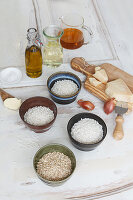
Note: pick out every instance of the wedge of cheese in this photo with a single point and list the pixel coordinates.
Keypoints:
(97, 68)
(94, 82)
(101, 75)
(119, 90)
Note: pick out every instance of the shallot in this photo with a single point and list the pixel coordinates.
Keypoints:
(109, 106)
(87, 105)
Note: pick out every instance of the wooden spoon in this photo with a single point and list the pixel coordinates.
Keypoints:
(4, 95)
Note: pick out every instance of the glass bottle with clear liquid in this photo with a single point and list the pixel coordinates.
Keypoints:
(33, 55)
(53, 51)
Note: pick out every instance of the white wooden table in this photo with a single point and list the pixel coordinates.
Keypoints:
(106, 172)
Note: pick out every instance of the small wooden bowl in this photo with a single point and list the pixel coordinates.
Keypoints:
(38, 101)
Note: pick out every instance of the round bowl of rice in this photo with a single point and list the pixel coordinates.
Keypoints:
(64, 87)
(86, 131)
(54, 164)
(38, 113)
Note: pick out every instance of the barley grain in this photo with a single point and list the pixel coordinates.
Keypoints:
(54, 166)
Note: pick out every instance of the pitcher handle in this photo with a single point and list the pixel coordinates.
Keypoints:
(90, 34)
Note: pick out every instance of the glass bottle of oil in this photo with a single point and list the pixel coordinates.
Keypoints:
(33, 55)
(53, 51)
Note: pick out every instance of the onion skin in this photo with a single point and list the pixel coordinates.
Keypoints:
(109, 106)
(87, 105)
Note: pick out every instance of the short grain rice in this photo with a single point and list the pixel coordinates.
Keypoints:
(64, 88)
(87, 131)
(38, 116)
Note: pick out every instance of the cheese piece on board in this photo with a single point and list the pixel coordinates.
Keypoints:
(101, 76)
(94, 82)
(119, 90)
(97, 68)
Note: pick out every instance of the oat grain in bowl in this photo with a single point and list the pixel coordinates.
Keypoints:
(38, 115)
(54, 166)
(64, 88)
(87, 131)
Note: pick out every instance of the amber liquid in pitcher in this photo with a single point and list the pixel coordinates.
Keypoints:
(72, 38)
(33, 61)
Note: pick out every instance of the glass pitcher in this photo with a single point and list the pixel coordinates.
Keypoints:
(53, 51)
(76, 33)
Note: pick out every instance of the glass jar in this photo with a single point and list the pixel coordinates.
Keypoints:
(33, 55)
(53, 51)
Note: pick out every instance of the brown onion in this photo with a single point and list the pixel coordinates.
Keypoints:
(87, 105)
(109, 106)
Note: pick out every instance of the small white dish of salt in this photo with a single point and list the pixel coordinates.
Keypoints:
(10, 75)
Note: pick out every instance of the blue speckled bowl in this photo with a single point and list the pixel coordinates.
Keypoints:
(63, 76)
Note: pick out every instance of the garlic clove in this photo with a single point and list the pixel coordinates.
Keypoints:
(12, 103)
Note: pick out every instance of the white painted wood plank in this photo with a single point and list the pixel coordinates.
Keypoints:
(14, 36)
(47, 71)
(118, 16)
(15, 18)
(99, 48)
(102, 169)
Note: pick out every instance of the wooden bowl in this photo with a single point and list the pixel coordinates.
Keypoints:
(38, 101)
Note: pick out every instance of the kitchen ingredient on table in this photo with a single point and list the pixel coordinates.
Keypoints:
(33, 55)
(53, 51)
(94, 82)
(101, 75)
(87, 131)
(64, 88)
(87, 105)
(72, 39)
(54, 166)
(53, 54)
(97, 68)
(109, 106)
(38, 115)
(12, 103)
(76, 33)
(10, 75)
(79, 64)
(119, 90)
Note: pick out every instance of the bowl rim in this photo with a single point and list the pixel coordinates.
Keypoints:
(42, 126)
(57, 144)
(84, 144)
(64, 72)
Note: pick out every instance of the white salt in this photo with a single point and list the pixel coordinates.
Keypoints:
(64, 88)
(87, 131)
(38, 115)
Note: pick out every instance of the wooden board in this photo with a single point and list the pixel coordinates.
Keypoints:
(79, 64)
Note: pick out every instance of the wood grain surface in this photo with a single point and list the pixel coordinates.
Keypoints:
(4, 95)
(113, 73)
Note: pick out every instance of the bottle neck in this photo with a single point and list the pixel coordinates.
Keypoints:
(31, 36)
